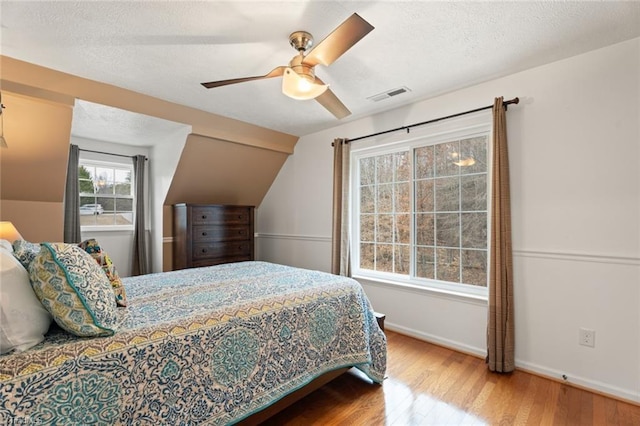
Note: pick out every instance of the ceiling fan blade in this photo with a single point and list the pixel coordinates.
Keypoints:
(331, 102)
(276, 72)
(339, 41)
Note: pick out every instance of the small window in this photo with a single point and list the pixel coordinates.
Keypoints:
(106, 194)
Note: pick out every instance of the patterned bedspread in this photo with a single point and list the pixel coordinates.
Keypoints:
(197, 346)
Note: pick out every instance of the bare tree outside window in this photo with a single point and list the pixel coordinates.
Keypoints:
(385, 213)
(423, 211)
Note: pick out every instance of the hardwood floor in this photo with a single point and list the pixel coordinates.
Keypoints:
(431, 385)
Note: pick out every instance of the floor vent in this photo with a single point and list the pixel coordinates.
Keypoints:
(389, 93)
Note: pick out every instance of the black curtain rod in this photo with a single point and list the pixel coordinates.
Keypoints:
(505, 103)
(110, 153)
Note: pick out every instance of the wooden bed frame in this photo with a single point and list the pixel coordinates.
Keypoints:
(272, 410)
(293, 397)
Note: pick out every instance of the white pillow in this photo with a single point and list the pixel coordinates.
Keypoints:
(23, 319)
(5, 244)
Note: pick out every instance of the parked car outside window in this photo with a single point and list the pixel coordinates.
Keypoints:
(106, 195)
(86, 209)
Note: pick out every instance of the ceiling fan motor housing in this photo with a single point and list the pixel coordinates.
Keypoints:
(301, 40)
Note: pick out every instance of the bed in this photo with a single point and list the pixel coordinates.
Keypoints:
(212, 345)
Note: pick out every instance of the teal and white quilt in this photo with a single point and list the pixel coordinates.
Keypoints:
(197, 346)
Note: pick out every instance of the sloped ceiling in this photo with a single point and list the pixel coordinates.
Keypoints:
(42, 83)
(38, 122)
(105, 123)
(34, 167)
(219, 172)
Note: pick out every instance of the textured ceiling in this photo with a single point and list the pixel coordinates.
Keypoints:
(95, 121)
(166, 49)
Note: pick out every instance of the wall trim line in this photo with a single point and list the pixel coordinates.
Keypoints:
(578, 257)
(539, 254)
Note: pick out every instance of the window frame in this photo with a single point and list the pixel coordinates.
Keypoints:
(115, 165)
(450, 130)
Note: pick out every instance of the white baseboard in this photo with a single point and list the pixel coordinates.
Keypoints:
(581, 382)
(451, 344)
(588, 384)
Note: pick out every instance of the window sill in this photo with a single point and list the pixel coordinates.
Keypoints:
(476, 299)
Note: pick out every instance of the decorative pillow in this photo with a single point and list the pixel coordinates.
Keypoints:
(74, 289)
(23, 319)
(25, 252)
(93, 248)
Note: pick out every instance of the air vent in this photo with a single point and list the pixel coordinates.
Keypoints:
(389, 93)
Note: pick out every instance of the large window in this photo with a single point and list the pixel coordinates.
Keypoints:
(106, 194)
(420, 213)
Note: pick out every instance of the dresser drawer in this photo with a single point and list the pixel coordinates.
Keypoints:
(228, 215)
(204, 233)
(221, 249)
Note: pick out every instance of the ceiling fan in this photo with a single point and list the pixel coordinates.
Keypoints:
(298, 78)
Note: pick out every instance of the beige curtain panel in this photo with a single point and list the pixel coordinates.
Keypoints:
(500, 327)
(340, 251)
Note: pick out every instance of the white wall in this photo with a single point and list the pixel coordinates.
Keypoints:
(165, 157)
(575, 159)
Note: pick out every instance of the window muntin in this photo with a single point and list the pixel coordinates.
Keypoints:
(422, 212)
(106, 194)
(385, 213)
(451, 211)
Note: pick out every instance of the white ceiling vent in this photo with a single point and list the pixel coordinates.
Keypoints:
(389, 93)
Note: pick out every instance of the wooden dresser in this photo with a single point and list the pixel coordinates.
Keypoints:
(208, 234)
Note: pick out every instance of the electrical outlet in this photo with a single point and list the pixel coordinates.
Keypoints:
(587, 337)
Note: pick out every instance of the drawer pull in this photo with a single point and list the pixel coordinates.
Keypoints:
(204, 234)
(204, 250)
(204, 216)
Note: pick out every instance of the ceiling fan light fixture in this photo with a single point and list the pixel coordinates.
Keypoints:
(301, 87)
(465, 162)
